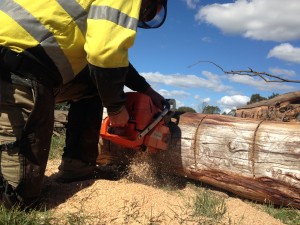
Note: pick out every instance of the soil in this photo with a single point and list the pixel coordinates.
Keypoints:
(140, 197)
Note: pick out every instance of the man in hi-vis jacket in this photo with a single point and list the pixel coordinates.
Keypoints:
(58, 51)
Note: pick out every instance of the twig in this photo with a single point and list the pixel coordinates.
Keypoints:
(250, 72)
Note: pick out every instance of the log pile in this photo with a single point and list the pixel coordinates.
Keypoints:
(255, 159)
(60, 118)
(285, 107)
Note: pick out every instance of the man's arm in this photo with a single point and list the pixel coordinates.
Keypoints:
(135, 81)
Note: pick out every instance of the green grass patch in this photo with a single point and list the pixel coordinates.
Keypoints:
(205, 207)
(57, 145)
(15, 216)
(287, 216)
(209, 205)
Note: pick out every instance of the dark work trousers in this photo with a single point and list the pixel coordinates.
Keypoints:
(84, 118)
(26, 126)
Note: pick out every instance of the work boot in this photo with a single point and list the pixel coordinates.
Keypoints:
(71, 170)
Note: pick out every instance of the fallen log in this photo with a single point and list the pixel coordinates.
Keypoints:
(254, 159)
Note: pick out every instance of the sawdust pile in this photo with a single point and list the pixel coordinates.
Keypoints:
(143, 169)
(141, 196)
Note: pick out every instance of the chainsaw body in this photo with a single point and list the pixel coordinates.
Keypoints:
(146, 129)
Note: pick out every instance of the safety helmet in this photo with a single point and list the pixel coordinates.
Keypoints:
(153, 13)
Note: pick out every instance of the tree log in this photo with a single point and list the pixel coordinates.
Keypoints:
(254, 159)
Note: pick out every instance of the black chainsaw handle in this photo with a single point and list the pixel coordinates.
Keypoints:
(166, 104)
(170, 102)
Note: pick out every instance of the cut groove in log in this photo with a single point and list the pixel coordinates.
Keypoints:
(255, 159)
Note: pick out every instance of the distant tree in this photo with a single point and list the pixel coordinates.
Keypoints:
(256, 98)
(186, 109)
(273, 95)
(203, 105)
(209, 109)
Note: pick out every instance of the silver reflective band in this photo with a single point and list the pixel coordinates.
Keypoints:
(41, 34)
(113, 15)
(76, 11)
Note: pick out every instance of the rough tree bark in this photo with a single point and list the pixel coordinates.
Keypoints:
(255, 159)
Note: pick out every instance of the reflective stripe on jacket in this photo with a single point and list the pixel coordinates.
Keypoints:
(72, 32)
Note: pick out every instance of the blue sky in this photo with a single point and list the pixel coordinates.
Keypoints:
(263, 35)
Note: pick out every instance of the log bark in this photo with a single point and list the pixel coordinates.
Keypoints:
(254, 159)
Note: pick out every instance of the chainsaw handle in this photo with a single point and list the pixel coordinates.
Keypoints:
(166, 103)
(120, 140)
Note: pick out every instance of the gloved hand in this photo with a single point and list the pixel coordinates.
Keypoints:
(156, 98)
(120, 119)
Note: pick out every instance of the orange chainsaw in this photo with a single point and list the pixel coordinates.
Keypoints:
(147, 128)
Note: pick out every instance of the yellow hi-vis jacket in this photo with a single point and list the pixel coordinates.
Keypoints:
(73, 33)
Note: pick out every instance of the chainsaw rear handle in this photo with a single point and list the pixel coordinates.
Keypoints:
(167, 104)
(120, 140)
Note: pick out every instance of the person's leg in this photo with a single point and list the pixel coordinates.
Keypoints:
(26, 125)
(82, 135)
(82, 130)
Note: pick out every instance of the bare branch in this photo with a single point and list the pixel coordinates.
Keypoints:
(250, 72)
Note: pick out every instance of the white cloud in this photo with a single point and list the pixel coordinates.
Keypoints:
(260, 84)
(206, 100)
(286, 52)
(275, 20)
(206, 39)
(192, 3)
(174, 94)
(179, 104)
(230, 102)
(278, 71)
(212, 81)
(198, 97)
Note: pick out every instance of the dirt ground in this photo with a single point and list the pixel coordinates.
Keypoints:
(139, 198)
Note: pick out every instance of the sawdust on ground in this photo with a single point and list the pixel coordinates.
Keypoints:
(140, 198)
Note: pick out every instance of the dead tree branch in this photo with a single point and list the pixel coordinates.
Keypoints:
(251, 73)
